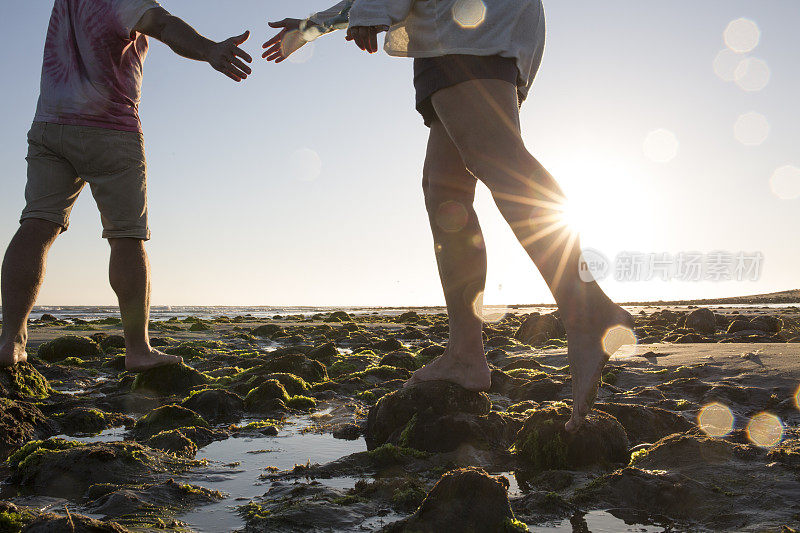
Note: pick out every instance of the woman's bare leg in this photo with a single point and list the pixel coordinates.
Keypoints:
(449, 193)
(482, 119)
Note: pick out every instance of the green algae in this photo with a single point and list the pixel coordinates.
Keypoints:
(253, 511)
(389, 454)
(13, 522)
(31, 452)
(542, 454)
(25, 381)
(512, 525)
(301, 403)
(526, 373)
(406, 433)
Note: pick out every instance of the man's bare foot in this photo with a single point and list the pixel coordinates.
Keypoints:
(591, 341)
(145, 360)
(12, 353)
(472, 374)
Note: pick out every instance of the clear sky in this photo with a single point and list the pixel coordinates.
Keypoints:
(302, 185)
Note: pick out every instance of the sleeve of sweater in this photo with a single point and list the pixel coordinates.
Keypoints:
(323, 16)
(379, 12)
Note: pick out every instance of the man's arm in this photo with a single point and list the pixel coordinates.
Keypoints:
(224, 56)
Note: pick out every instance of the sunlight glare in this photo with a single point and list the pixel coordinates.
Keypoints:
(725, 64)
(797, 398)
(785, 182)
(490, 317)
(742, 35)
(661, 146)
(715, 419)
(751, 129)
(469, 13)
(752, 74)
(765, 429)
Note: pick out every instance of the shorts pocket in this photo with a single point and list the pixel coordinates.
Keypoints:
(106, 152)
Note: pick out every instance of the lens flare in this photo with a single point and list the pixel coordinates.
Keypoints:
(751, 129)
(661, 146)
(306, 164)
(617, 338)
(482, 314)
(752, 74)
(451, 216)
(715, 419)
(742, 35)
(725, 64)
(469, 13)
(797, 398)
(765, 429)
(785, 182)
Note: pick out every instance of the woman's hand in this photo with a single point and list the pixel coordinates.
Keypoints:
(288, 41)
(365, 37)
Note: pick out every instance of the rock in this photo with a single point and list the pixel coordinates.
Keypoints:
(544, 444)
(347, 431)
(766, 323)
(338, 316)
(82, 421)
(301, 403)
(65, 469)
(21, 422)
(23, 382)
(310, 370)
(325, 353)
(199, 326)
(69, 346)
(268, 397)
(165, 418)
(388, 345)
(74, 523)
(466, 500)
(216, 405)
(48, 319)
(169, 380)
(112, 341)
(540, 506)
(293, 384)
(645, 424)
(399, 359)
(738, 325)
(538, 329)
(267, 330)
(408, 316)
(702, 320)
(174, 442)
(538, 390)
(431, 416)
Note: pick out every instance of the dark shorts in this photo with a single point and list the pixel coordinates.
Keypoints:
(435, 73)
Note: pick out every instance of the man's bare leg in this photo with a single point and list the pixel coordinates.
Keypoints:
(449, 193)
(482, 119)
(129, 274)
(22, 276)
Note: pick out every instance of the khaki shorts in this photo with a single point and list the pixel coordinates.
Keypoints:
(62, 159)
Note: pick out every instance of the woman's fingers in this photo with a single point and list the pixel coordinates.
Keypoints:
(372, 36)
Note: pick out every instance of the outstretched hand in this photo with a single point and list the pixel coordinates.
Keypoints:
(365, 37)
(228, 58)
(284, 43)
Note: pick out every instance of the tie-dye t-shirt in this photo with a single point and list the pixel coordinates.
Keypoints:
(92, 68)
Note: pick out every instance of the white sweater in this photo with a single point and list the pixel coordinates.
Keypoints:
(431, 28)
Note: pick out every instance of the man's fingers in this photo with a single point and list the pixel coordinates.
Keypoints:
(231, 75)
(241, 66)
(241, 53)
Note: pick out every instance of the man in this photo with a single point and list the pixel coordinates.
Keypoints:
(87, 130)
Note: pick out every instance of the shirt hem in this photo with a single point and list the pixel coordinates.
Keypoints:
(88, 122)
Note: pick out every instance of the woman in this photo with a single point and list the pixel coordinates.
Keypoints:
(474, 64)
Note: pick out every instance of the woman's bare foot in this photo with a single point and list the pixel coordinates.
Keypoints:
(136, 361)
(12, 353)
(592, 340)
(473, 374)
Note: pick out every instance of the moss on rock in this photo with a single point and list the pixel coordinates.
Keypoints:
(69, 346)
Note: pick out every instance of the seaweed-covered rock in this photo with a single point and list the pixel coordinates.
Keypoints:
(399, 359)
(702, 320)
(23, 382)
(216, 405)
(544, 444)
(299, 365)
(269, 397)
(169, 380)
(338, 316)
(74, 523)
(645, 424)
(324, 353)
(65, 469)
(69, 346)
(21, 422)
(267, 330)
(767, 323)
(431, 416)
(293, 384)
(165, 418)
(174, 442)
(110, 342)
(537, 329)
(82, 421)
(467, 500)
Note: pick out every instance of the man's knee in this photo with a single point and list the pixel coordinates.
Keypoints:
(41, 229)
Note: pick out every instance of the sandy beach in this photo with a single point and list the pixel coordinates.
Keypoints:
(300, 423)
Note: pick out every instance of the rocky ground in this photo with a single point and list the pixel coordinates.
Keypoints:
(698, 428)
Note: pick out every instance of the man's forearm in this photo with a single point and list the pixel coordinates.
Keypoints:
(184, 40)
